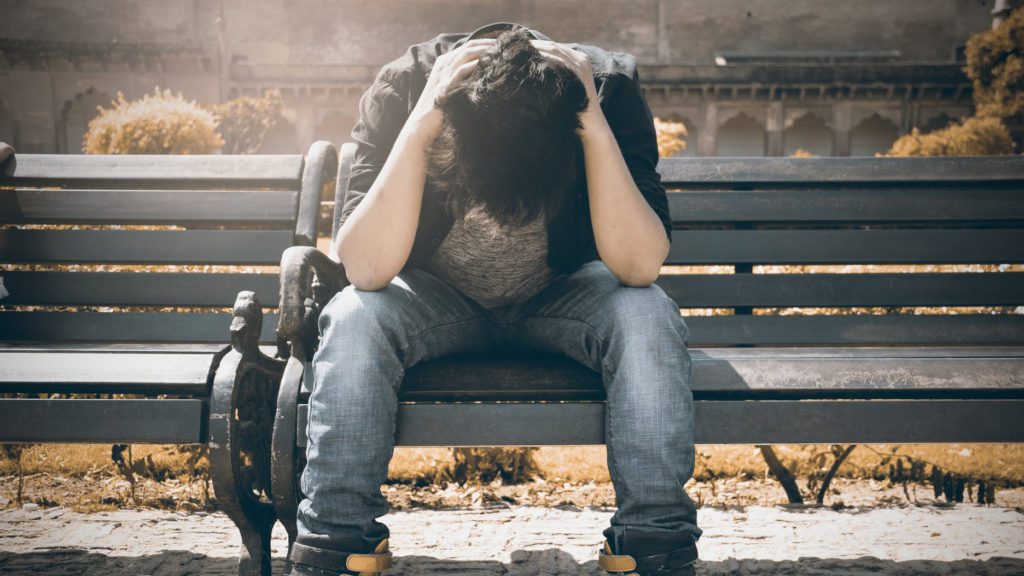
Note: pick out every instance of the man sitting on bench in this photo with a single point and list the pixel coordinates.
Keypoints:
(503, 196)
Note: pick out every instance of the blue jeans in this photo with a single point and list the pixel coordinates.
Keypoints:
(634, 336)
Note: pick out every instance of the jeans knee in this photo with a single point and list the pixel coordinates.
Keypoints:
(647, 314)
(351, 310)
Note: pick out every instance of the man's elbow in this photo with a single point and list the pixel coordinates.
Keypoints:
(637, 275)
(640, 273)
(638, 279)
(362, 273)
(367, 280)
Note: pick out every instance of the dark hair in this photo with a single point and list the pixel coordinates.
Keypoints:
(509, 141)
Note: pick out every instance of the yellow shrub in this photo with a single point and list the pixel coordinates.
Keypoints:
(975, 137)
(671, 137)
(244, 122)
(995, 64)
(159, 123)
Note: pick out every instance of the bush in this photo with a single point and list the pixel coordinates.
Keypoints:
(484, 465)
(159, 123)
(995, 64)
(975, 137)
(671, 137)
(244, 122)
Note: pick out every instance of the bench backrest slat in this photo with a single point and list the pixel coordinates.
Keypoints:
(135, 288)
(840, 290)
(851, 246)
(960, 202)
(857, 330)
(181, 171)
(272, 208)
(145, 246)
(124, 326)
(710, 172)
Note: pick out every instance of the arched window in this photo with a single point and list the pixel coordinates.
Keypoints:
(942, 120)
(740, 135)
(873, 135)
(810, 133)
(74, 119)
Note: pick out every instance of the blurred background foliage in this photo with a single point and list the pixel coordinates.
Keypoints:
(166, 123)
(158, 123)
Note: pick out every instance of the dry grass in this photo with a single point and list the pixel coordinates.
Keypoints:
(1002, 462)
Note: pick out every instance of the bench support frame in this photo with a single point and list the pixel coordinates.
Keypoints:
(241, 426)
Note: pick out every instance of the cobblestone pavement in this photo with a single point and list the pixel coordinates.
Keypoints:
(522, 540)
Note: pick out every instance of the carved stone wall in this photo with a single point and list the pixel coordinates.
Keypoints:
(748, 77)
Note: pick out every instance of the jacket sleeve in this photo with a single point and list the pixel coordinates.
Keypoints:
(632, 123)
(382, 114)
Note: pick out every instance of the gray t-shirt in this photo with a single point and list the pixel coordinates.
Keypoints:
(493, 264)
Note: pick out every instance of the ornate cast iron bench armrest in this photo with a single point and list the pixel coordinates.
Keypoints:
(309, 279)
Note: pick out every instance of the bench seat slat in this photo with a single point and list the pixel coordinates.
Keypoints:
(166, 421)
(963, 203)
(738, 373)
(839, 171)
(114, 347)
(717, 422)
(702, 247)
(123, 327)
(136, 288)
(145, 246)
(836, 290)
(147, 207)
(104, 372)
(161, 170)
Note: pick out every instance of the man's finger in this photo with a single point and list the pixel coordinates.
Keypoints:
(470, 53)
(559, 57)
(464, 70)
(555, 51)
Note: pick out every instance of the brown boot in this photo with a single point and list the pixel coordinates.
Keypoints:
(649, 555)
(312, 561)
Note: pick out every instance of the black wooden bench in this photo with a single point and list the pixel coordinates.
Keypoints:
(939, 376)
(151, 364)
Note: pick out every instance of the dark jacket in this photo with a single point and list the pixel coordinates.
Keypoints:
(384, 107)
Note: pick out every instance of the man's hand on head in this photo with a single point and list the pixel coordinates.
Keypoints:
(577, 61)
(449, 68)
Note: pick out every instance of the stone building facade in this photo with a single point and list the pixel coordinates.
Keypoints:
(748, 78)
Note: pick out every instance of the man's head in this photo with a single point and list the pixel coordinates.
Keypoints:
(510, 140)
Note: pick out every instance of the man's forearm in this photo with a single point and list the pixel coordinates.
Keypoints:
(629, 235)
(375, 241)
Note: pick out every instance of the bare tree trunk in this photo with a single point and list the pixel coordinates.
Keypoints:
(782, 474)
(840, 458)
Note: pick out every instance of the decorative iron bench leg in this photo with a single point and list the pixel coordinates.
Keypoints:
(242, 405)
(287, 460)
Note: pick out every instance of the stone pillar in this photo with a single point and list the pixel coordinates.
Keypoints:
(706, 137)
(775, 123)
(841, 120)
(305, 121)
(1001, 11)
